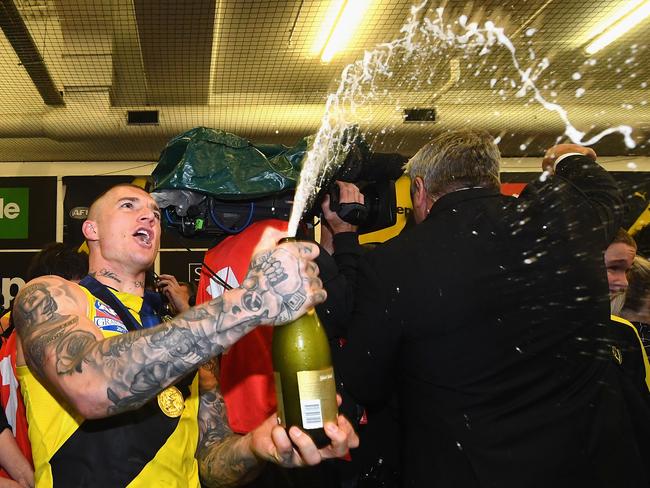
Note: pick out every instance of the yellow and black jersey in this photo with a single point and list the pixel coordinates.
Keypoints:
(141, 448)
(628, 351)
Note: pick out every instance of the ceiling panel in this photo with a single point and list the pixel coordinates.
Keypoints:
(247, 67)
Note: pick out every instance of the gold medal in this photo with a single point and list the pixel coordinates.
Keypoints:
(171, 401)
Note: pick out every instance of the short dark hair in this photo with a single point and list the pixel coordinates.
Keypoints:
(191, 287)
(58, 259)
(92, 206)
(623, 237)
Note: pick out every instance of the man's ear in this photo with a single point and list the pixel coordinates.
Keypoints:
(89, 229)
(420, 193)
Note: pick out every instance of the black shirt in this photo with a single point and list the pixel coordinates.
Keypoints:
(490, 320)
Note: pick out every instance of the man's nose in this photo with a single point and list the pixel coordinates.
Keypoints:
(147, 215)
(623, 280)
(620, 280)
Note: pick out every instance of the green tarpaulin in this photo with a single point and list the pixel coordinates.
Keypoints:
(226, 166)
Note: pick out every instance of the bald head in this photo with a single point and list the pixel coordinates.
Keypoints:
(95, 208)
(123, 231)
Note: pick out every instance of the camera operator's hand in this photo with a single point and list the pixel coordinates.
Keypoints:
(178, 296)
(349, 193)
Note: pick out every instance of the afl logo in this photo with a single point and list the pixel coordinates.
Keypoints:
(80, 213)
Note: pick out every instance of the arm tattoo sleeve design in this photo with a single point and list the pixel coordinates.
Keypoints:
(213, 421)
(135, 366)
(71, 351)
(39, 323)
(221, 462)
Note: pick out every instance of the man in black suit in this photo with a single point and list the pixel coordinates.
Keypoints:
(490, 320)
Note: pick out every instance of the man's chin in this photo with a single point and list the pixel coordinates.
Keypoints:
(613, 294)
(146, 260)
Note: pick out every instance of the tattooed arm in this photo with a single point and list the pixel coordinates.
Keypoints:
(224, 459)
(101, 377)
(227, 459)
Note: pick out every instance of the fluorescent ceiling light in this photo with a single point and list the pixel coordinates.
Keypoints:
(341, 21)
(617, 24)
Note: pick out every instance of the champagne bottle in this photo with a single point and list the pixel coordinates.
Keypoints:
(304, 377)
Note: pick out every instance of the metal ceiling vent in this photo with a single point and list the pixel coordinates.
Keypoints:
(419, 114)
(142, 117)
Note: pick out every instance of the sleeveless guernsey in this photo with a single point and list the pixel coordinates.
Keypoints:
(142, 448)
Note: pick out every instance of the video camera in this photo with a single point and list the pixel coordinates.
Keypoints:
(199, 214)
(375, 175)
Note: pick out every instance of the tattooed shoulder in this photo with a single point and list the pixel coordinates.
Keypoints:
(44, 312)
(35, 304)
(42, 299)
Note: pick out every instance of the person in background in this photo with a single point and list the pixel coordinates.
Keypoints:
(636, 306)
(376, 462)
(58, 259)
(190, 290)
(5, 324)
(619, 256)
(177, 293)
(490, 320)
(627, 349)
(246, 369)
(95, 381)
(18, 470)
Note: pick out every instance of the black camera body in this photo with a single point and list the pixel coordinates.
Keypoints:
(378, 211)
(375, 175)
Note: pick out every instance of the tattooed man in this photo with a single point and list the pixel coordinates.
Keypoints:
(109, 406)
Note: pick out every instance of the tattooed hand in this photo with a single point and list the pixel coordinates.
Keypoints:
(283, 282)
(276, 272)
